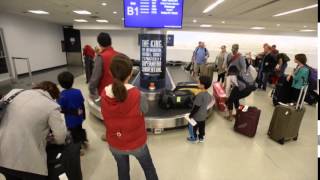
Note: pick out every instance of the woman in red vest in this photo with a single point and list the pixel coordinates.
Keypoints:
(123, 109)
(88, 54)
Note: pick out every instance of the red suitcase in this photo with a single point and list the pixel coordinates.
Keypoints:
(220, 96)
(247, 122)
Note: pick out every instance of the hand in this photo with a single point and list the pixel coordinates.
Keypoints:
(288, 78)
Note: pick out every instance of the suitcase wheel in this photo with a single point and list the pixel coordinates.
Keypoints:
(281, 141)
(295, 138)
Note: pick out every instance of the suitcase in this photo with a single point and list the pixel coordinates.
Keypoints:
(282, 91)
(176, 99)
(247, 122)
(191, 86)
(64, 159)
(175, 63)
(220, 96)
(286, 120)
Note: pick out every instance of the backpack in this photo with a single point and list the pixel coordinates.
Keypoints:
(233, 58)
(312, 78)
(248, 80)
(205, 51)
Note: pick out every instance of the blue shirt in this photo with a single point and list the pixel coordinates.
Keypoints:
(71, 100)
(200, 55)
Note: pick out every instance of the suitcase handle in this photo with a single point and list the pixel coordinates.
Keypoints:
(302, 96)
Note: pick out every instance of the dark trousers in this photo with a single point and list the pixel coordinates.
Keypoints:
(88, 66)
(221, 76)
(295, 94)
(143, 156)
(264, 77)
(200, 126)
(235, 96)
(10, 174)
(79, 135)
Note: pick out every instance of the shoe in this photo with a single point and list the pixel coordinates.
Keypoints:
(82, 152)
(191, 139)
(85, 145)
(201, 140)
(103, 137)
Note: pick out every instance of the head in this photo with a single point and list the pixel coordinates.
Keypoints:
(97, 50)
(233, 70)
(223, 49)
(267, 49)
(199, 44)
(235, 48)
(66, 79)
(274, 46)
(300, 59)
(204, 82)
(121, 70)
(49, 87)
(265, 44)
(104, 40)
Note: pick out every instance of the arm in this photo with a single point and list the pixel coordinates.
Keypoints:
(57, 126)
(194, 110)
(96, 76)
(144, 107)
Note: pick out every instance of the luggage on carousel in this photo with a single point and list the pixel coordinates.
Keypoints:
(247, 120)
(176, 99)
(282, 91)
(64, 159)
(220, 96)
(175, 63)
(191, 86)
(286, 120)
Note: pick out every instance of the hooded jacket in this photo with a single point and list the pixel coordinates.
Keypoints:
(124, 121)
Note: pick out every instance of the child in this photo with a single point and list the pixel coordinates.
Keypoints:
(199, 110)
(72, 104)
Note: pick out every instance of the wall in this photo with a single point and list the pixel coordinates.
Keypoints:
(185, 42)
(38, 40)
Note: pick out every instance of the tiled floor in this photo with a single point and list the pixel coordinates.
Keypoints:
(225, 155)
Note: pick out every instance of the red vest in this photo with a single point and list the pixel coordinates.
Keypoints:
(106, 79)
(124, 121)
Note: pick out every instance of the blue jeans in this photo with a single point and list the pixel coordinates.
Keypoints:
(143, 156)
(190, 129)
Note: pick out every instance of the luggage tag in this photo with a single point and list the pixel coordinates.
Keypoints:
(178, 99)
(63, 177)
(191, 120)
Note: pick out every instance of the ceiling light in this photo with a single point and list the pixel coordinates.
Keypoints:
(80, 20)
(104, 4)
(194, 21)
(257, 28)
(212, 6)
(278, 25)
(296, 10)
(307, 30)
(206, 25)
(82, 12)
(115, 12)
(223, 22)
(102, 20)
(38, 12)
(305, 26)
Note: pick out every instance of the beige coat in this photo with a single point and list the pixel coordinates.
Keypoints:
(24, 129)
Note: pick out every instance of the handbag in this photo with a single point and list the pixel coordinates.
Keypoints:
(4, 104)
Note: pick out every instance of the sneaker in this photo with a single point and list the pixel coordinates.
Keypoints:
(82, 152)
(191, 139)
(201, 140)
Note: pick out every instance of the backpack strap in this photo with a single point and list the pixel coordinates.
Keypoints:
(7, 101)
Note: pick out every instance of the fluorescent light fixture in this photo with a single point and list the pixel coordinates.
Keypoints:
(205, 25)
(104, 4)
(80, 20)
(305, 26)
(296, 10)
(212, 6)
(102, 20)
(278, 25)
(115, 12)
(194, 21)
(223, 22)
(82, 12)
(38, 12)
(307, 30)
(257, 28)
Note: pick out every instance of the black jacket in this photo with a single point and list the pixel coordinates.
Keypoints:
(269, 63)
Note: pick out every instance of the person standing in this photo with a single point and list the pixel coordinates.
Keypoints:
(200, 57)
(123, 108)
(24, 129)
(220, 60)
(236, 59)
(267, 68)
(88, 54)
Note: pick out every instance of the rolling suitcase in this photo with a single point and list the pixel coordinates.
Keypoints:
(176, 99)
(286, 120)
(191, 86)
(282, 91)
(220, 96)
(247, 121)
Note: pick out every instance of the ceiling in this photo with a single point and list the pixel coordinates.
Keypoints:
(239, 15)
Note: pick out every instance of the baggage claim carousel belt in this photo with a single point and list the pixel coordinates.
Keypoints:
(158, 119)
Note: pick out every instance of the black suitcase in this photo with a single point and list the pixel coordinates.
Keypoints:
(282, 92)
(175, 63)
(176, 99)
(64, 159)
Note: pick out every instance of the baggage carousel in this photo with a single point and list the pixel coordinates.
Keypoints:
(158, 119)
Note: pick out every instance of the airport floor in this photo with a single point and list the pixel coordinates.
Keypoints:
(225, 155)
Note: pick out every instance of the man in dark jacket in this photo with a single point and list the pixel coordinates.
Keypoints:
(267, 67)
